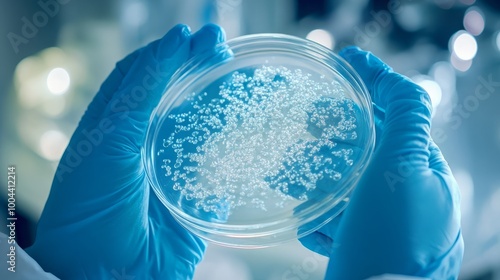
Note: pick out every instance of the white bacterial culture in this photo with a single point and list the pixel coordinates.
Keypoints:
(261, 138)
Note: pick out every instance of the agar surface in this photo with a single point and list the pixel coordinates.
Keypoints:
(266, 137)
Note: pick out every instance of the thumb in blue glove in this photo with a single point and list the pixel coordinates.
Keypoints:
(403, 217)
(100, 217)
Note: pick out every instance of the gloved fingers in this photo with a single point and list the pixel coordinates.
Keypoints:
(206, 38)
(142, 87)
(110, 86)
(440, 167)
(106, 91)
(146, 86)
(164, 227)
(206, 45)
(437, 161)
(407, 106)
(318, 243)
(371, 69)
(379, 118)
(145, 82)
(322, 240)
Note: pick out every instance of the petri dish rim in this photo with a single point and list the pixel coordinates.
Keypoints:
(242, 46)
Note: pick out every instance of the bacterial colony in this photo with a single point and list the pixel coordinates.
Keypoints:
(264, 138)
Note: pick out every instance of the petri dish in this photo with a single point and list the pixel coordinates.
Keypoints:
(260, 140)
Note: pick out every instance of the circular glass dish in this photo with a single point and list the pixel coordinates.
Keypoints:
(259, 140)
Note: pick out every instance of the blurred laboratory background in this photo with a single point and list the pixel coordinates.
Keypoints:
(51, 70)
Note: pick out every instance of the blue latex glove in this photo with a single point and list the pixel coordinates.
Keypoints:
(403, 217)
(101, 220)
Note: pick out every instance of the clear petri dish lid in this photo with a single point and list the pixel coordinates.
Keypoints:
(260, 140)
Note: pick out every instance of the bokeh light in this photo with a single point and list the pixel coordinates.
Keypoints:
(497, 40)
(54, 107)
(466, 185)
(322, 37)
(474, 21)
(410, 17)
(432, 88)
(444, 74)
(45, 76)
(29, 82)
(58, 81)
(463, 45)
(459, 64)
(135, 13)
(52, 144)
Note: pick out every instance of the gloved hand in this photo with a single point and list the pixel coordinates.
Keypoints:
(101, 221)
(403, 216)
